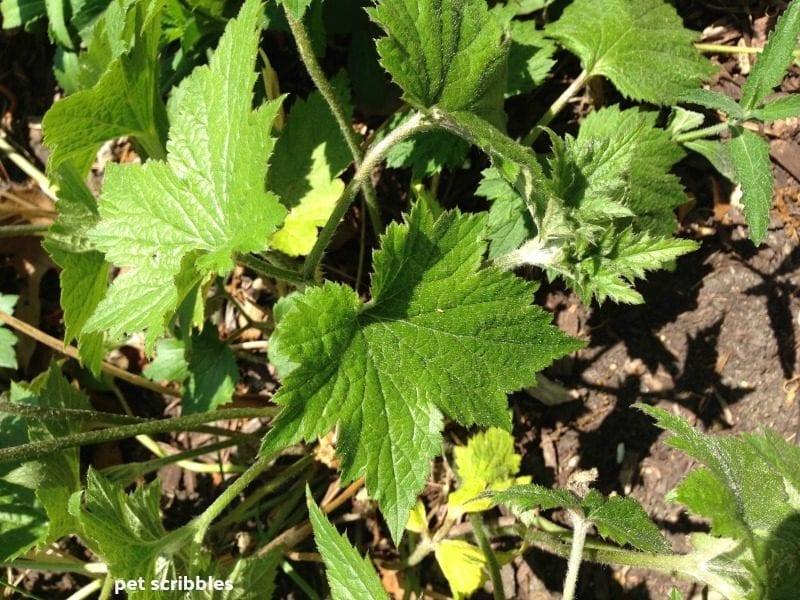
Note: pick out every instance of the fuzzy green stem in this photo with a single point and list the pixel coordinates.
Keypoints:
(128, 472)
(108, 586)
(557, 106)
(580, 528)
(40, 448)
(676, 565)
(416, 123)
(253, 499)
(203, 521)
(704, 132)
(314, 69)
(491, 558)
(270, 270)
(26, 229)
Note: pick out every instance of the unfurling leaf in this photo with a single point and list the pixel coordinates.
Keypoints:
(440, 336)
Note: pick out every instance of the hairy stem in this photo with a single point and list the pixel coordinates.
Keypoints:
(201, 523)
(44, 563)
(34, 450)
(557, 107)
(265, 268)
(580, 528)
(326, 89)
(26, 229)
(273, 484)
(491, 558)
(417, 122)
(705, 132)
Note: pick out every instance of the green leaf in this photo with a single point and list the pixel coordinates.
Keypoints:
(714, 101)
(624, 521)
(530, 58)
(126, 531)
(750, 489)
(17, 13)
(84, 271)
(771, 65)
(125, 101)
(252, 577)
(213, 372)
(682, 120)
(58, 474)
(350, 576)
(717, 153)
(426, 153)
(446, 53)
(169, 363)
(750, 158)
(463, 566)
(653, 191)
(309, 156)
(510, 222)
(175, 223)
(642, 47)
(23, 522)
(674, 595)
(530, 496)
(780, 108)
(8, 356)
(438, 336)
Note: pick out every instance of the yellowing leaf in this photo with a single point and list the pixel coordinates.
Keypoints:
(417, 520)
(462, 565)
(308, 157)
(487, 462)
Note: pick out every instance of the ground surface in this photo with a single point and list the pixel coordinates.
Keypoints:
(716, 340)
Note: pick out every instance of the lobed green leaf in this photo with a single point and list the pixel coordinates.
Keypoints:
(173, 224)
(446, 53)
(440, 336)
(642, 47)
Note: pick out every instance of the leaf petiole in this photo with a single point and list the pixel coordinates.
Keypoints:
(416, 122)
